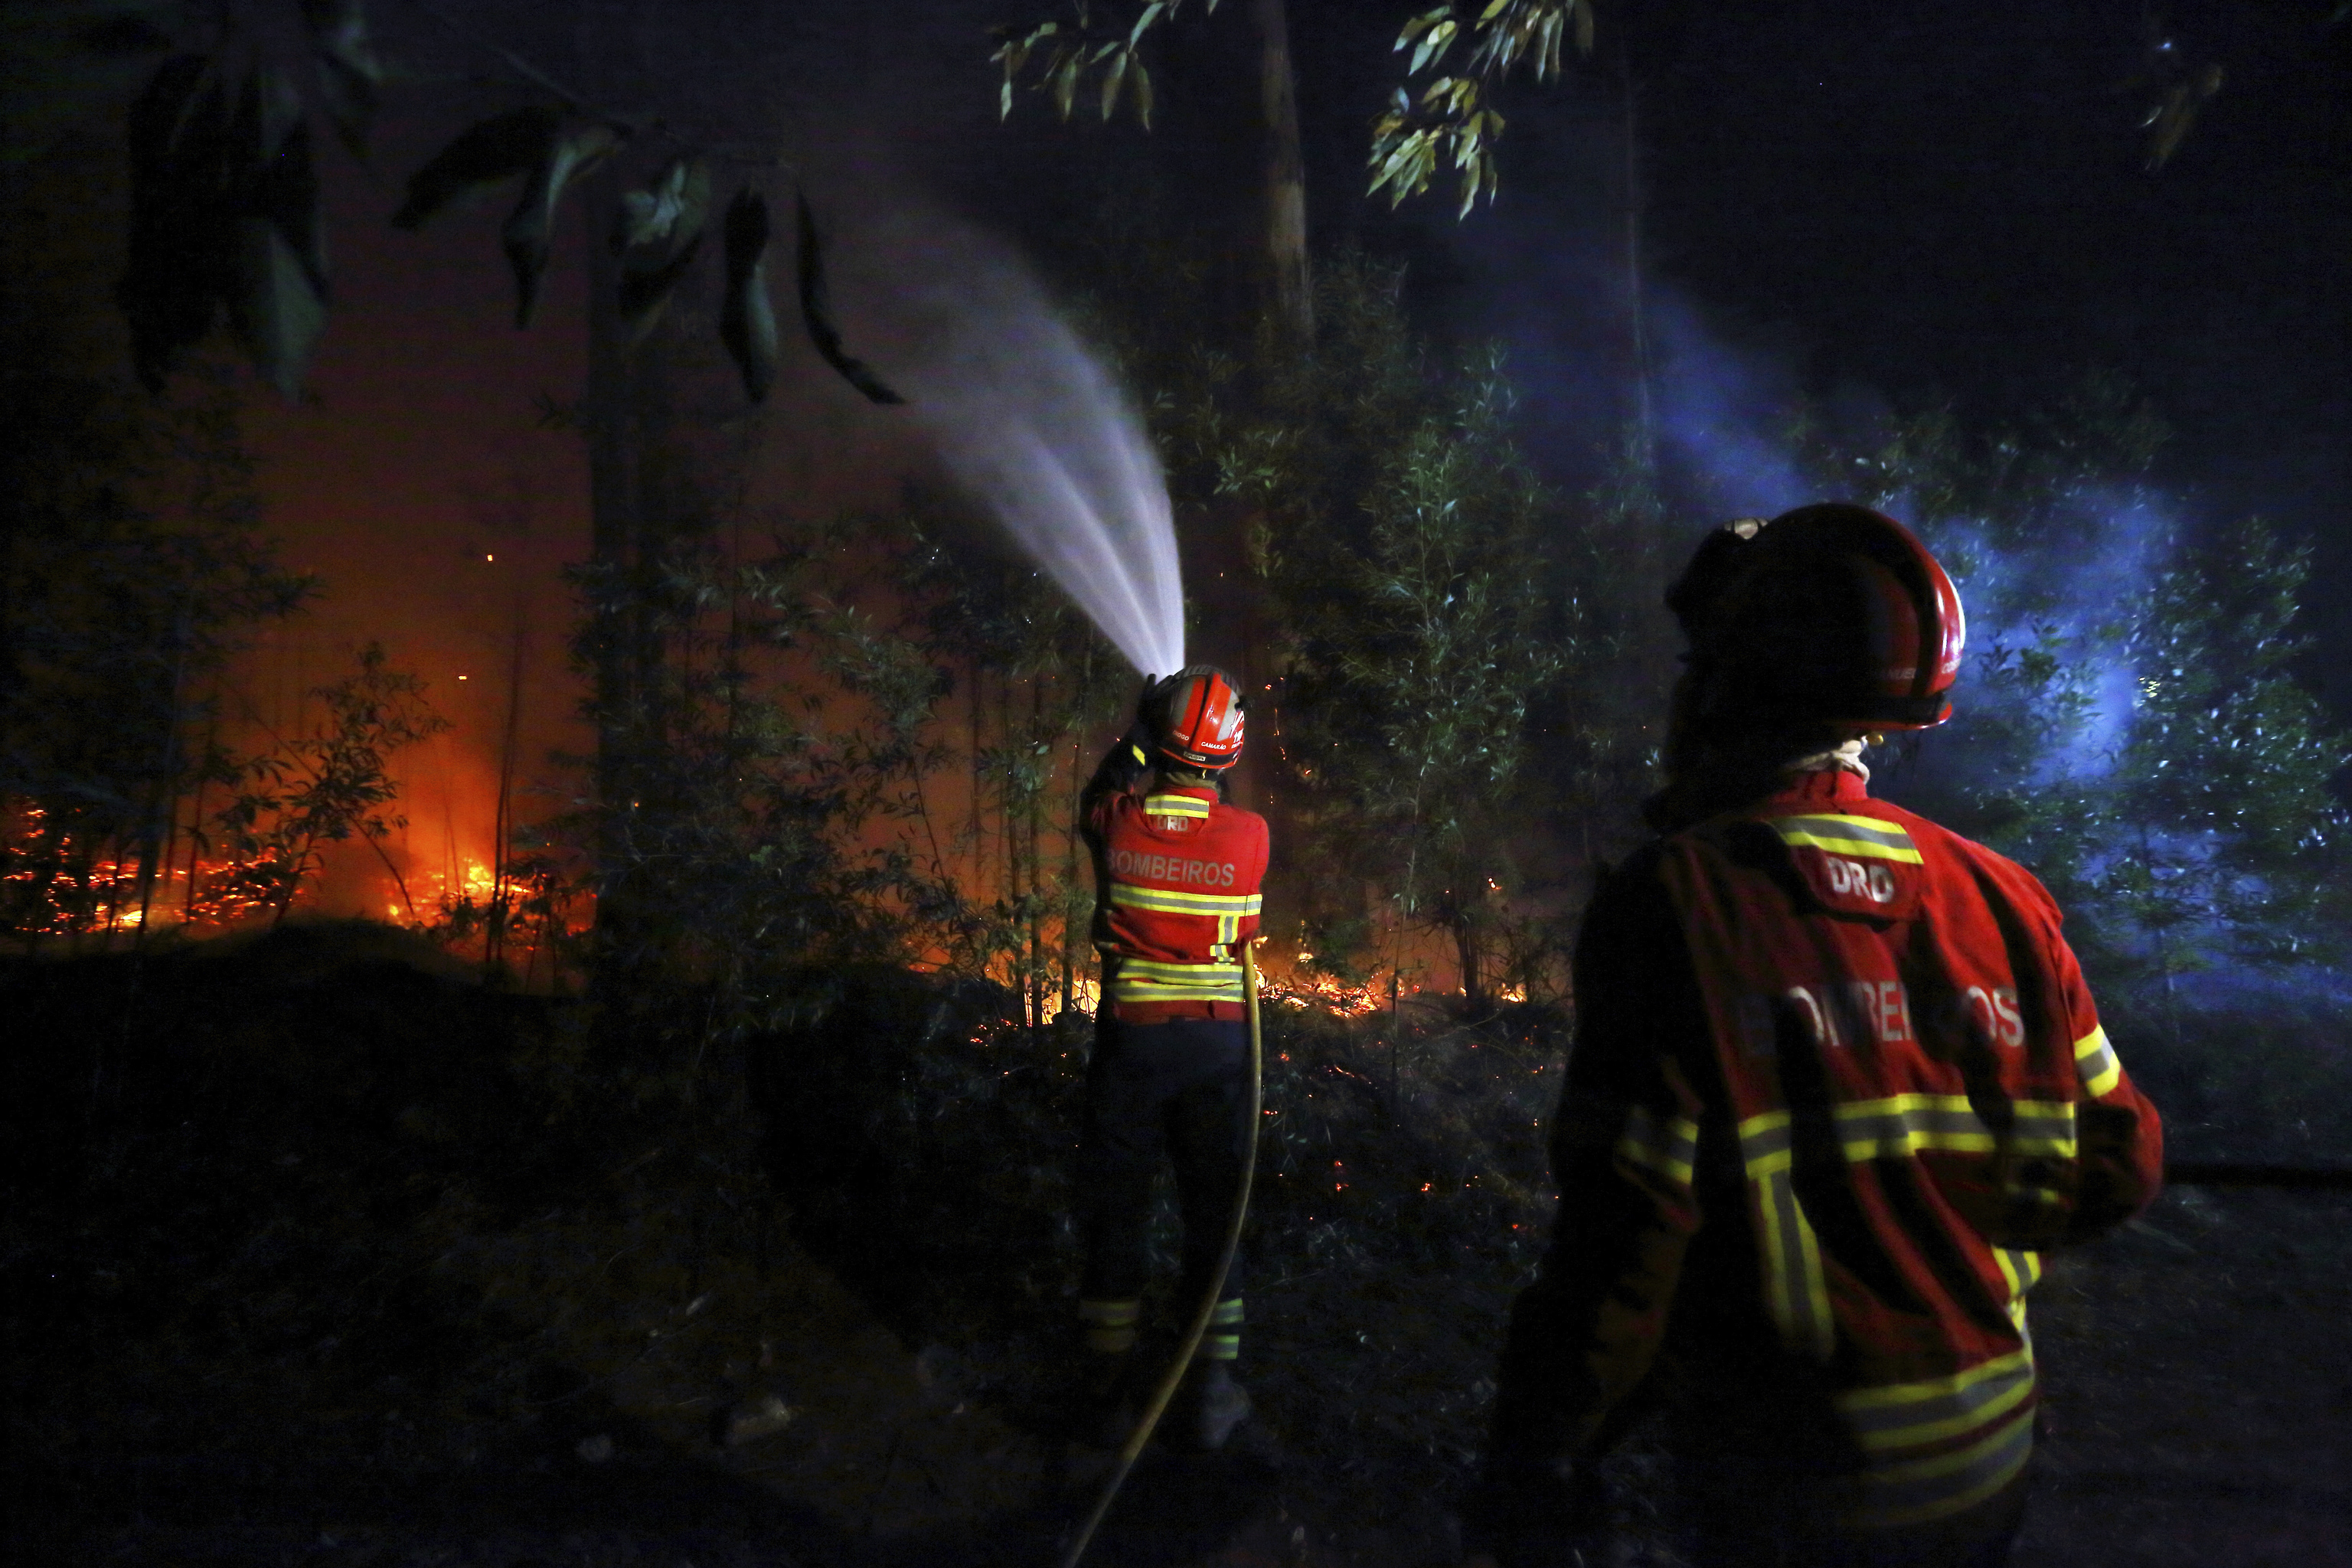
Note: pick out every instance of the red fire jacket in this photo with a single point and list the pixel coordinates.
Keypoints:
(1837, 1080)
(1177, 873)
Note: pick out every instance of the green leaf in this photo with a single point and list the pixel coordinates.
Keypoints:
(530, 227)
(816, 315)
(647, 289)
(747, 318)
(1583, 9)
(1112, 80)
(675, 204)
(1421, 23)
(277, 306)
(351, 76)
(488, 153)
(1149, 15)
(1143, 95)
(1434, 46)
(1065, 79)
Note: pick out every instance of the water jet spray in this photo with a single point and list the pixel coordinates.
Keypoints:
(1033, 423)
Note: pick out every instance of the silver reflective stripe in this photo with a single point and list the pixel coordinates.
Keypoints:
(1918, 1491)
(1903, 1125)
(1171, 901)
(1154, 980)
(1765, 1142)
(1797, 1296)
(1864, 836)
(2096, 1061)
(2020, 1269)
(1667, 1146)
(1912, 1413)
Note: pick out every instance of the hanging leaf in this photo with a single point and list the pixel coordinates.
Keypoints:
(658, 232)
(676, 203)
(485, 155)
(1432, 46)
(181, 218)
(1143, 95)
(2169, 123)
(1065, 80)
(747, 318)
(816, 315)
(351, 76)
(644, 294)
(278, 293)
(274, 174)
(529, 230)
(276, 307)
(1113, 79)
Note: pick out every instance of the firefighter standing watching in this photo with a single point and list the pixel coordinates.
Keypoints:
(1837, 1083)
(1177, 873)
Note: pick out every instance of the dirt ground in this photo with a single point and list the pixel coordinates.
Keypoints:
(319, 1319)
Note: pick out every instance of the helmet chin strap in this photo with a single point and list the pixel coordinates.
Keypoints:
(1843, 757)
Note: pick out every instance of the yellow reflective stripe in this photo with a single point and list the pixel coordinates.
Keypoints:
(1918, 1491)
(1110, 1326)
(1765, 1144)
(1150, 980)
(1796, 1292)
(1169, 901)
(1908, 1415)
(1176, 806)
(1902, 1125)
(2095, 1060)
(1223, 1339)
(1109, 1313)
(1669, 1147)
(1864, 837)
(2020, 1269)
(1177, 973)
(1999, 1397)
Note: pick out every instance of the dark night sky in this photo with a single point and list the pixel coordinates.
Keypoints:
(1871, 201)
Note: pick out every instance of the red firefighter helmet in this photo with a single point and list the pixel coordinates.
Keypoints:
(1827, 615)
(1199, 712)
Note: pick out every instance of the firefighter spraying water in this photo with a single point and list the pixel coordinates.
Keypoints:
(1175, 1065)
(1838, 1083)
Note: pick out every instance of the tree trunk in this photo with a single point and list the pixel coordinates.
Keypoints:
(1290, 296)
(1466, 945)
(608, 417)
(1637, 330)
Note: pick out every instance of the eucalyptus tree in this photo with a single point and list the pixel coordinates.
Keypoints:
(228, 225)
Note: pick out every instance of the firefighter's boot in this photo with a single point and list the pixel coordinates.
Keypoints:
(1107, 1405)
(1208, 1407)
(1108, 1402)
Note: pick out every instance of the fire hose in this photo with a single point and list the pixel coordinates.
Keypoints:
(1137, 1440)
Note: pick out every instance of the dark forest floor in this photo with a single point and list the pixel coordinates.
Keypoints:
(322, 1254)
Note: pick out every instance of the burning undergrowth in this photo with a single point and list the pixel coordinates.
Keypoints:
(320, 1230)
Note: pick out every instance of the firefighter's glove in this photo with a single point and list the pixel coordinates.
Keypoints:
(1150, 702)
(1130, 759)
(1529, 1511)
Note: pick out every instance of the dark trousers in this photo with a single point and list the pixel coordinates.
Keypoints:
(1181, 1087)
